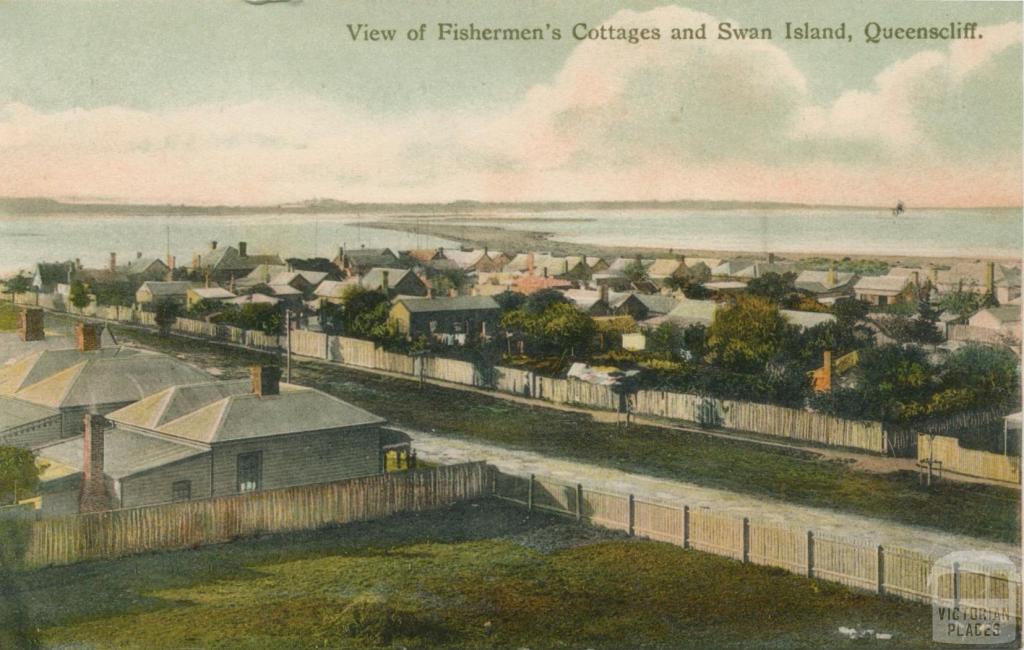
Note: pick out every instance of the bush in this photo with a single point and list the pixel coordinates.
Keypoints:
(377, 622)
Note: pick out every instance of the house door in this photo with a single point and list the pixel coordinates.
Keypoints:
(250, 471)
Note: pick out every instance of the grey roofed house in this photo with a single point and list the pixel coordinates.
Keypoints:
(1005, 313)
(47, 275)
(359, 260)
(824, 282)
(211, 293)
(263, 273)
(885, 285)
(333, 289)
(16, 414)
(125, 453)
(245, 415)
(72, 378)
(289, 277)
(759, 269)
(400, 281)
(456, 303)
(730, 268)
(619, 265)
(165, 289)
(139, 265)
(178, 401)
(657, 304)
(110, 380)
(253, 299)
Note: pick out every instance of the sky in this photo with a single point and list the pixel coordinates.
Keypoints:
(223, 102)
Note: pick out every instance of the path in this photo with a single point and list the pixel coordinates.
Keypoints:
(440, 449)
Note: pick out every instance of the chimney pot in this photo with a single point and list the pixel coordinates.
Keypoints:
(30, 324)
(213, 245)
(243, 249)
(113, 262)
(266, 380)
(87, 337)
(384, 282)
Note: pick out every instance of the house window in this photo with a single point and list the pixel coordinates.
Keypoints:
(883, 300)
(250, 471)
(181, 490)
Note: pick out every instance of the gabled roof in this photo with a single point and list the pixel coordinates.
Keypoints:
(53, 272)
(13, 348)
(253, 298)
(70, 378)
(374, 278)
(264, 272)
(296, 409)
(818, 281)
(141, 265)
(656, 303)
(464, 259)
(334, 288)
(457, 303)
(369, 257)
(758, 269)
(1004, 313)
(620, 264)
(882, 284)
(175, 402)
(174, 288)
(15, 413)
(702, 311)
(731, 267)
(125, 453)
(664, 268)
(287, 277)
(229, 259)
(212, 293)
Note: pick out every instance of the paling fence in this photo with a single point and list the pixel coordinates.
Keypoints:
(881, 569)
(766, 419)
(979, 335)
(115, 533)
(947, 455)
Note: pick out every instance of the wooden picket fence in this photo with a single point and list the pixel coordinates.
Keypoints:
(116, 533)
(947, 455)
(851, 562)
(766, 419)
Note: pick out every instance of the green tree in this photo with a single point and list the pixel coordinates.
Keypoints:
(20, 283)
(772, 286)
(165, 313)
(566, 327)
(19, 474)
(988, 373)
(895, 382)
(667, 341)
(962, 303)
(79, 296)
(744, 336)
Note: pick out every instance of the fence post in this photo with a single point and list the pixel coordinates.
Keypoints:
(579, 502)
(956, 585)
(529, 495)
(632, 515)
(686, 526)
(881, 570)
(746, 540)
(810, 554)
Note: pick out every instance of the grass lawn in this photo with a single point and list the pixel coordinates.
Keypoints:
(474, 575)
(790, 474)
(8, 317)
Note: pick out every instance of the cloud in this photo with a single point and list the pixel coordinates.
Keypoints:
(719, 120)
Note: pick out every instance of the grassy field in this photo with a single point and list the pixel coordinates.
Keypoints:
(475, 575)
(8, 317)
(790, 474)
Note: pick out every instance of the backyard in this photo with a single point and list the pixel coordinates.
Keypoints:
(481, 574)
(794, 475)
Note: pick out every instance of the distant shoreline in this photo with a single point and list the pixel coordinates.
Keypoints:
(25, 207)
(504, 239)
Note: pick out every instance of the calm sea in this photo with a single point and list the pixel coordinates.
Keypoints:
(945, 233)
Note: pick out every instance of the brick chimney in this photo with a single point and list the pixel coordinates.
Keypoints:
(384, 282)
(826, 366)
(831, 278)
(266, 380)
(113, 262)
(604, 293)
(138, 255)
(78, 263)
(213, 245)
(30, 324)
(990, 277)
(92, 495)
(529, 264)
(771, 258)
(87, 337)
(933, 274)
(915, 277)
(197, 262)
(682, 259)
(243, 249)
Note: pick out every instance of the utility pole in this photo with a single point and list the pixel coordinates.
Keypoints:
(288, 344)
